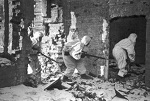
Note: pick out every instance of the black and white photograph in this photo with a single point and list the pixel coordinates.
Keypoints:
(74, 50)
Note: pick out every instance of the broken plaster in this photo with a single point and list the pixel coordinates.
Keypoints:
(73, 20)
(104, 34)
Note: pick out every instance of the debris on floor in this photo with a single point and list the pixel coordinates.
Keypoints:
(132, 88)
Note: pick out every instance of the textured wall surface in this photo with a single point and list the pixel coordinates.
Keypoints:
(147, 74)
(128, 7)
(39, 13)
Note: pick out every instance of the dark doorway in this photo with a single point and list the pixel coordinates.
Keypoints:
(121, 28)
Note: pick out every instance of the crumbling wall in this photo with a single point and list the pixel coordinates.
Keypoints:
(51, 46)
(53, 39)
(8, 69)
(39, 12)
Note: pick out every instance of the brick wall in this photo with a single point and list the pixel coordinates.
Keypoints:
(39, 13)
(128, 8)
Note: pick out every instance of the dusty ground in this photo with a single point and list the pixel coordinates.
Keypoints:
(80, 90)
(131, 88)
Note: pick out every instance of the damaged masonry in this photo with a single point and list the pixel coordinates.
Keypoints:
(33, 34)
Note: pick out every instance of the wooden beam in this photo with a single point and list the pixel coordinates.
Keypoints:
(49, 8)
(6, 24)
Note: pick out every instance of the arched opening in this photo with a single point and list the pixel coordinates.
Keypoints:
(121, 27)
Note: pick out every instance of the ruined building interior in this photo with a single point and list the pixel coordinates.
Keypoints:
(106, 21)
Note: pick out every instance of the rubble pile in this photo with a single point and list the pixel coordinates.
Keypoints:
(86, 91)
(132, 87)
(51, 46)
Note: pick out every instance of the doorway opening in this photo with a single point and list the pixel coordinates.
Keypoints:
(122, 27)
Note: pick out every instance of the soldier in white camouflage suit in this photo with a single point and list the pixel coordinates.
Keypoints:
(124, 49)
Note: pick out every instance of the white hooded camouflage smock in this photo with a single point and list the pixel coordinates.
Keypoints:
(74, 60)
(119, 52)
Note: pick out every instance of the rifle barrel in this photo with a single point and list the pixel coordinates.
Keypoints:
(95, 56)
(49, 58)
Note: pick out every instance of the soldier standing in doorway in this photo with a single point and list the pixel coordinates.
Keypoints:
(123, 51)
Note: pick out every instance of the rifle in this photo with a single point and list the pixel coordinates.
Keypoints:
(89, 55)
(49, 58)
(45, 55)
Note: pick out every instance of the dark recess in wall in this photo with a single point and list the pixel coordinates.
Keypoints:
(122, 27)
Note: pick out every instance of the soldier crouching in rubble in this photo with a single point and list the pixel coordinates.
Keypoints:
(33, 56)
(124, 50)
(34, 75)
(72, 55)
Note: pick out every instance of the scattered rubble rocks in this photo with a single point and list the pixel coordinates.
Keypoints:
(53, 89)
(111, 90)
(78, 90)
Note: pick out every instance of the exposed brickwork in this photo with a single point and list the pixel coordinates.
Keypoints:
(52, 43)
(52, 47)
(9, 73)
(38, 19)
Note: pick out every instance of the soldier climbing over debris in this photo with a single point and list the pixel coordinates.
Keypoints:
(72, 55)
(34, 68)
(123, 52)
